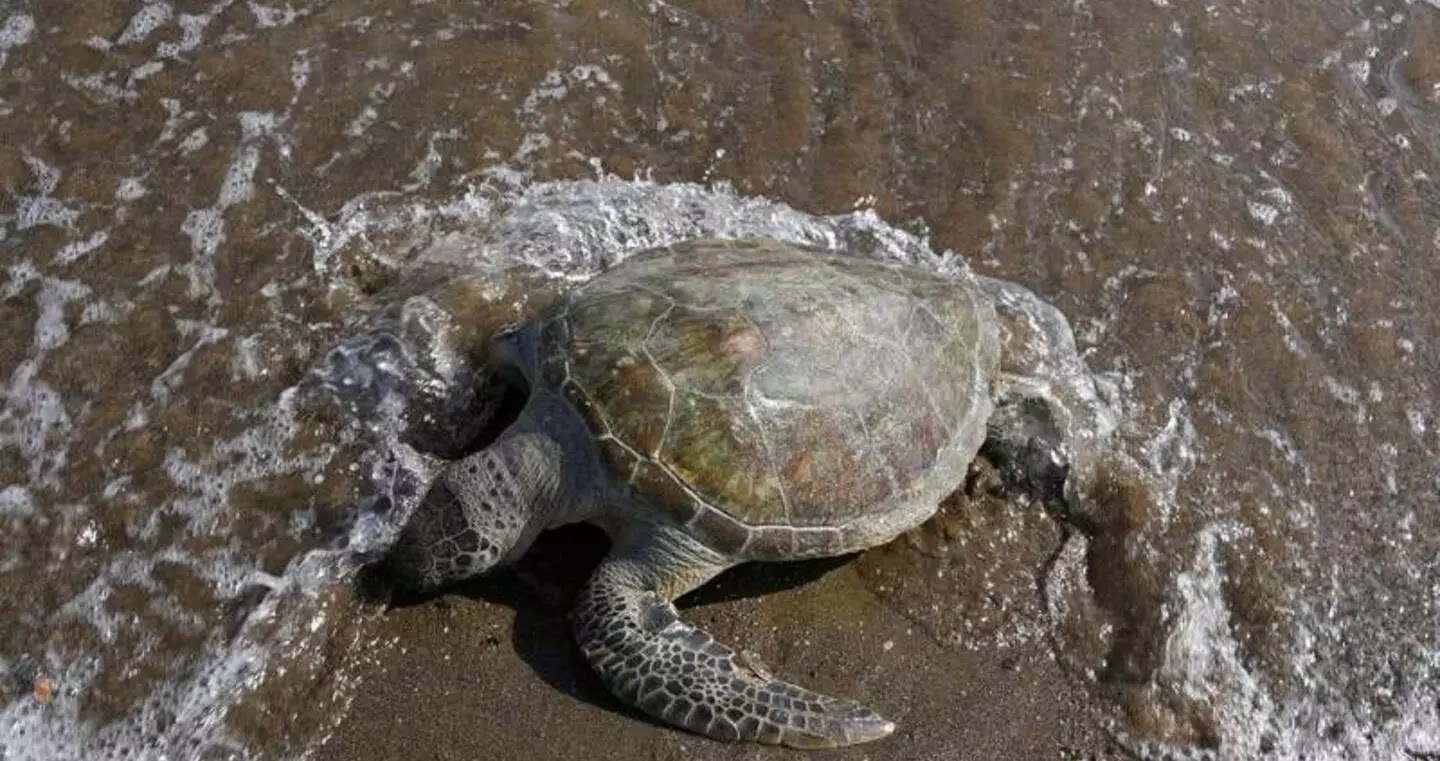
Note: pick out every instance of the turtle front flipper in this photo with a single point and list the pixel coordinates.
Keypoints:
(648, 657)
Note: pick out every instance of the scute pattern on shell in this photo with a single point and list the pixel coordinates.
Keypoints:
(784, 386)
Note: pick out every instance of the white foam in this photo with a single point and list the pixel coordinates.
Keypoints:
(77, 250)
(1202, 661)
(1173, 451)
(197, 139)
(299, 74)
(15, 501)
(130, 189)
(51, 329)
(206, 226)
(16, 31)
(1263, 213)
(168, 379)
(267, 16)
(33, 417)
(18, 275)
(1416, 418)
(362, 121)
(40, 208)
(145, 21)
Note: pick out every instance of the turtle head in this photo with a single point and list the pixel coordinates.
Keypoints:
(515, 350)
(482, 512)
(486, 508)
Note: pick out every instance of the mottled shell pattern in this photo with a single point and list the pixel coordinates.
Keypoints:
(780, 401)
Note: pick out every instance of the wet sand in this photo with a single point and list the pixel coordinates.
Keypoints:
(489, 671)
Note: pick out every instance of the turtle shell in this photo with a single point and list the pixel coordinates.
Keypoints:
(752, 385)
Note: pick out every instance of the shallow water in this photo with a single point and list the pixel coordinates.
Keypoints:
(251, 251)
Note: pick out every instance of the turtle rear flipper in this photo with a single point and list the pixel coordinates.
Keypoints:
(647, 656)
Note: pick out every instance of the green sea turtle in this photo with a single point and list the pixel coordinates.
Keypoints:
(711, 404)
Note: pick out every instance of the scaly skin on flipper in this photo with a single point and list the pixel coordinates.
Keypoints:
(648, 657)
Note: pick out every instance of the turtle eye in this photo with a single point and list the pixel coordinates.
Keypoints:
(507, 336)
(515, 345)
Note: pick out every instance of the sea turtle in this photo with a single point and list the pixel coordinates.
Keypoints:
(711, 404)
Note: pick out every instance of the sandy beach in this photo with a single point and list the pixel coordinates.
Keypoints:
(489, 671)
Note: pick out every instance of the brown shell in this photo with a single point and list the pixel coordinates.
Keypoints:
(783, 386)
